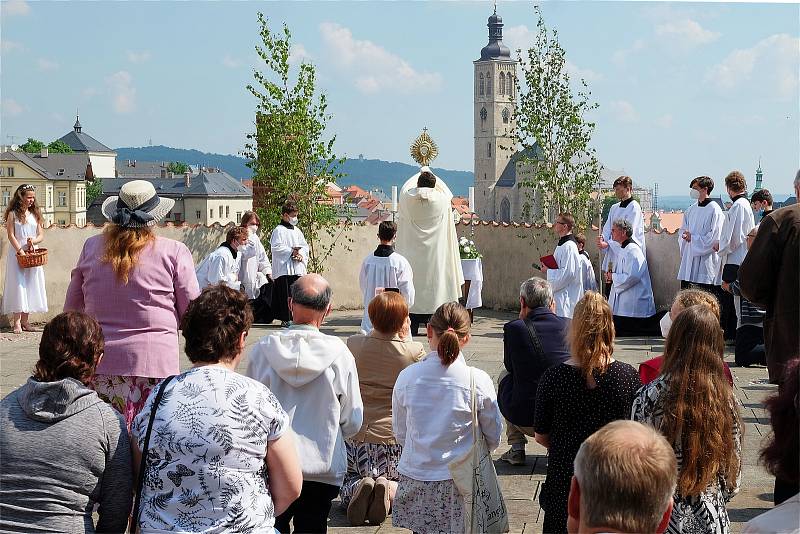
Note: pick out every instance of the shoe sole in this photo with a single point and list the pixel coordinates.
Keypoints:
(359, 504)
(379, 507)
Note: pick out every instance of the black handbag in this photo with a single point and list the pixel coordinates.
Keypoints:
(145, 448)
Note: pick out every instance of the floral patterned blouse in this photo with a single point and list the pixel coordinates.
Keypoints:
(206, 469)
(703, 513)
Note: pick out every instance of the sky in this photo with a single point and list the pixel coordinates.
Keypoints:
(683, 89)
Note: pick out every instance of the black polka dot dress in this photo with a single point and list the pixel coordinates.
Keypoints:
(569, 412)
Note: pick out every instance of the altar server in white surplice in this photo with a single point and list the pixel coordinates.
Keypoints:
(255, 269)
(589, 280)
(289, 259)
(385, 269)
(701, 229)
(631, 296)
(222, 265)
(426, 236)
(630, 210)
(567, 280)
(739, 220)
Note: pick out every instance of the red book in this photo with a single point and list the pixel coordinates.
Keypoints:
(549, 261)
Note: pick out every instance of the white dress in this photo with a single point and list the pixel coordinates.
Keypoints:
(24, 290)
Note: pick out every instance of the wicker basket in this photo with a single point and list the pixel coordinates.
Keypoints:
(36, 258)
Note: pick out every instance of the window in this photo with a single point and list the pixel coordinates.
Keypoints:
(6, 196)
(197, 213)
(10, 172)
(62, 198)
(2, 171)
(211, 213)
(480, 84)
(506, 115)
(62, 222)
(178, 216)
(502, 83)
(238, 217)
(227, 211)
(488, 84)
(489, 150)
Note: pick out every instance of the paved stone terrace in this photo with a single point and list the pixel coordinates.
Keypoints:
(521, 484)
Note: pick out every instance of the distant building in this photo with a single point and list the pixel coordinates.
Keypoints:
(207, 197)
(59, 181)
(102, 158)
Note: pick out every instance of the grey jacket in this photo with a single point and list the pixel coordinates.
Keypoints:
(63, 450)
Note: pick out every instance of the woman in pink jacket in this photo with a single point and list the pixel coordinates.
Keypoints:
(137, 285)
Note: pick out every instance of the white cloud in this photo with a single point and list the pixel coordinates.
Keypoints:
(45, 65)
(11, 107)
(773, 63)
(297, 54)
(9, 8)
(231, 62)
(10, 46)
(521, 37)
(371, 67)
(138, 57)
(123, 92)
(90, 92)
(685, 33)
(664, 121)
(621, 56)
(624, 111)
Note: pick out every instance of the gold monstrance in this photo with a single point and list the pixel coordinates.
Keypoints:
(424, 149)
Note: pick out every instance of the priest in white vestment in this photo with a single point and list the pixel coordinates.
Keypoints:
(701, 229)
(289, 259)
(629, 209)
(426, 237)
(567, 279)
(732, 247)
(385, 270)
(631, 295)
(222, 265)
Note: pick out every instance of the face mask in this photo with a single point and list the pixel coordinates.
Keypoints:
(252, 229)
(665, 323)
(694, 193)
(293, 221)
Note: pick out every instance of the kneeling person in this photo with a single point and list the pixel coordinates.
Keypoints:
(222, 265)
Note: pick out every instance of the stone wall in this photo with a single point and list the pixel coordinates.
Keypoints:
(508, 251)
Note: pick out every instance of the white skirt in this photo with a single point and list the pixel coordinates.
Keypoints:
(24, 290)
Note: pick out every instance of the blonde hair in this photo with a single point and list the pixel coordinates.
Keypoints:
(123, 246)
(591, 337)
(451, 324)
(697, 297)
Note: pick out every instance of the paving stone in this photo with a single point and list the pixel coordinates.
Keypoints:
(18, 354)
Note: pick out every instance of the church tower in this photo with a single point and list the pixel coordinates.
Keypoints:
(494, 87)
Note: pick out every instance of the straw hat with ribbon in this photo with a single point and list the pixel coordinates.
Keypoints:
(137, 205)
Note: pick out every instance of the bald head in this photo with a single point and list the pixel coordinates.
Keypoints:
(626, 474)
(312, 291)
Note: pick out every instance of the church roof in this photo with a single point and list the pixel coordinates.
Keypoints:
(495, 49)
(64, 166)
(81, 142)
(204, 184)
(509, 176)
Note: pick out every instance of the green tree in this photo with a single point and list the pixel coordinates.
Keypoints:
(94, 189)
(288, 153)
(32, 146)
(59, 147)
(177, 167)
(551, 124)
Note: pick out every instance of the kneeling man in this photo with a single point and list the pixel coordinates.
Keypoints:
(531, 345)
(631, 296)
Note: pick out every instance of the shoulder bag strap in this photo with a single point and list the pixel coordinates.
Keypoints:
(143, 462)
(537, 345)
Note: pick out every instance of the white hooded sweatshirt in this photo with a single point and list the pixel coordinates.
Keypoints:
(314, 377)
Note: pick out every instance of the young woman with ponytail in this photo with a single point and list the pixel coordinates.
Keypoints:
(432, 420)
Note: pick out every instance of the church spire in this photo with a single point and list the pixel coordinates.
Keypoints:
(495, 49)
(759, 176)
(77, 126)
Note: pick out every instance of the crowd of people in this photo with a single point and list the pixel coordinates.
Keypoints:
(378, 419)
